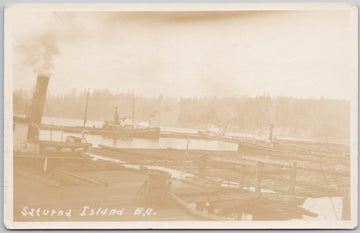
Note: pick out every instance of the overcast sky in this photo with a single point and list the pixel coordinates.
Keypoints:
(300, 54)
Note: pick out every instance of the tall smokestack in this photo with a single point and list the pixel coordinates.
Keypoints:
(38, 100)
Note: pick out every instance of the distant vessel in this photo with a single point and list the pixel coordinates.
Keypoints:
(119, 127)
(109, 129)
(212, 131)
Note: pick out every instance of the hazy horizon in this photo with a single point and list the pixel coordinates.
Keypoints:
(80, 92)
(187, 54)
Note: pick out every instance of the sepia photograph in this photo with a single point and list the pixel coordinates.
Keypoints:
(181, 116)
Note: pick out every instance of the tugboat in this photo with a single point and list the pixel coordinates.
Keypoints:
(119, 127)
(126, 127)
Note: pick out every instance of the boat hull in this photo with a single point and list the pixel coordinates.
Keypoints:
(140, 133)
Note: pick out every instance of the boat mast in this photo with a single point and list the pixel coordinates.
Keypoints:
(133, 107)
(86, 107)
(116, 116)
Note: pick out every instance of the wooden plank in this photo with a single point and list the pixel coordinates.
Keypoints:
(35, 177)
(82, 178)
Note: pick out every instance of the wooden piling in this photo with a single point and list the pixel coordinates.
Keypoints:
(242, 166)
(202, 166)
(292, 178)
(259, 171)
(241, 149)
(242, 175)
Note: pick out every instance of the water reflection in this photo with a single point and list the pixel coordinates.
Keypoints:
(176, 143)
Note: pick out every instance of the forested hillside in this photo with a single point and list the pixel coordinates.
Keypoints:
(321, 118)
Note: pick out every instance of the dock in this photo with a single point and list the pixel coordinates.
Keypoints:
(203, 185)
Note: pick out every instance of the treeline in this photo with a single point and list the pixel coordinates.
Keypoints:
(317, 118)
